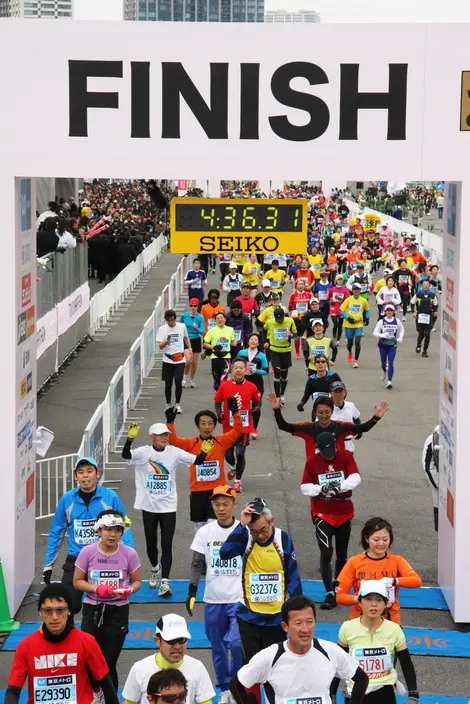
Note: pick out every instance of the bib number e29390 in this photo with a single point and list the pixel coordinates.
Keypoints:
(59, 690)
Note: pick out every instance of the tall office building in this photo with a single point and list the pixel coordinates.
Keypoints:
(37, 9)
(194, 10)
(291, 17)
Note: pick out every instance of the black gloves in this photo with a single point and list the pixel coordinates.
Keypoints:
(300, 408)
(232, 405)
(170, 414)
(191, 599)
(366, 322)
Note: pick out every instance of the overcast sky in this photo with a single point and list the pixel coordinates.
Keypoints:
(330, 10)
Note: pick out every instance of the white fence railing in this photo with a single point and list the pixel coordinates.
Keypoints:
(105, 302)
(54, 477)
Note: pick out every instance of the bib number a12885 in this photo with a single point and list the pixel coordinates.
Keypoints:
(158, 484)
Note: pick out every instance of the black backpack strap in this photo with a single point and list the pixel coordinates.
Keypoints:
(322, 650)
(279, 652)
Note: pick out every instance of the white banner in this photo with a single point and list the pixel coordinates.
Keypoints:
(72, 308)
(46, 332)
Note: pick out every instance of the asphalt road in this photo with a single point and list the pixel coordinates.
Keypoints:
(389, 457)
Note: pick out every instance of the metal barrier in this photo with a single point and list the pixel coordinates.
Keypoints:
(68, 271)
(54, 477)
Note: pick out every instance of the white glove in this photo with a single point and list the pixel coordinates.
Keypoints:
(388, 581)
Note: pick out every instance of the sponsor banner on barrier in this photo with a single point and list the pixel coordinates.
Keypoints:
(118, 408)
(96, 442)
(135, 368)
(72, 308)
(46, 332)
(149, 345)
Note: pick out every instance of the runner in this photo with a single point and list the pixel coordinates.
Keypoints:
(171, 638)
(237, 389)
(56, 648)
(108, 572)
(224, 260)
(344, 411)
(305, 274)
(256, 369)
(76, 514)
(323, 408)
(426, 312)
(223, 589)
(321, 292)
(300, 669)
(172, 338)
(220, 340)
(155, 483)
(277, 277)
(389, 330)
(329, 477)
(319, 383)
(232, 283)
(251, 272)
(404, 281)
(168, 685)
(356, 313)
(195, 325)
(241, 324)
(363, 279)
(263, 298)
(376, 539)
(314, 313)
(336, 295)
(210, 309)
(195, 280)
(298, 305)
(249, 304)
(388, 294)
(430, 460)
(318, 344)
(204, 478)
(269, 573)
(279, 331)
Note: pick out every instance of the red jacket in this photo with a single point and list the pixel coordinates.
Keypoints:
(341, 470)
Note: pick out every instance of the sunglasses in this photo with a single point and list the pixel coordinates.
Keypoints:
(170, 698)
(179, 641)
(320, 361)
(49, 610)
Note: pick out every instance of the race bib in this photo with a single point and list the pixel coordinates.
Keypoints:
(207, 471)
(253, 269)
(403, 279)
(390, 330)
(224, 568)
(280, 333)
(237, 335)
(338, 297)
(265, 587)
(60, 690)
(331, 478)
(364, 288)
(318, 349)
(225, 344)
(355, 309)
(322, 295)
(424, 318)
(158, 484)
(110, 578)
(303, 700)
(227, 257)
(83, 531)
(301, 307)
(389, 296)
(234, 285)
(173, 338)
(244, 416)
(376, 662)
(211, 324)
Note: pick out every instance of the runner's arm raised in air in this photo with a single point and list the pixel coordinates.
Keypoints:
(283, 424)
(353, 428)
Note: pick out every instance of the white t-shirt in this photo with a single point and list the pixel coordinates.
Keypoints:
(294, 677)
(177, 334)
(346, 415)
(155, 477)
(223, 580)
(200, 688)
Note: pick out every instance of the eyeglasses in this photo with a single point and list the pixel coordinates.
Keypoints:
(179, 641)
(49, 610)
(193, 305)
(261, 531)
(169, 698)
(320, 361)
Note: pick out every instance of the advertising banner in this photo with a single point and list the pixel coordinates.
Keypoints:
(46, 332)
(72, 308)
(117, 407)
(135, 371)
(149, 336)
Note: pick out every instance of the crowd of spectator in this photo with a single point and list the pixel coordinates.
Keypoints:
(115, 220)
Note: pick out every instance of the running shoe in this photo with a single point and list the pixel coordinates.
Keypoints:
(231, 472)
(165, 589)
(98, 697)
(168, 405)
(220, 285)
(254, 436)
(226, 697)
(203, 354)
(349, 357)
(382, 376)
(404, 319)
(155, 575)
(297, 356)
(282, 400)
(329, 602)
(425, 354)
(418, 349)
(389, 385)
(192, 385)
(184, 382)
(355, 365)
(237, 486)
(178, 408)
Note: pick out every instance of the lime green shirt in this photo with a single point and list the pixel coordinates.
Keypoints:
(220, 336)
(374, 653)
(279, 341)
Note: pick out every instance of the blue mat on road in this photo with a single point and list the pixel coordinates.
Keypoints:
(424, 698)
(422, 598)
(421, 641)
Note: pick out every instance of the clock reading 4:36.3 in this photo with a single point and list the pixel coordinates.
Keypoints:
(192, 217)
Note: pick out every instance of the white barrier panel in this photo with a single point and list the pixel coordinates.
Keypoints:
(94, 439)
(118, 414)
(135, 371)
(54, 477)
(47, 333)
(72, 308)
(149, 335)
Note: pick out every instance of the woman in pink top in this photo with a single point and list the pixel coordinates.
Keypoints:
(108, 572)
(336, 296)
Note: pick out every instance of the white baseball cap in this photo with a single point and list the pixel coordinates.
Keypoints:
(172, 626)
(158, 429)
(389, 306)
(317, 320)
(373, 586)
(266, 282)
(232, 265)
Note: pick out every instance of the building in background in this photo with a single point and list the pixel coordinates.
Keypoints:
(194, 10)
(291, 17)
(37, 9)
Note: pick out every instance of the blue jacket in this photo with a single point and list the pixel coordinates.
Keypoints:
(236, 544)
(189, 320)
(260, 361)
(71, 508)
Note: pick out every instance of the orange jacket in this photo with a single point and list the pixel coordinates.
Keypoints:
(221, 445)
(362, 567)
(208, 311)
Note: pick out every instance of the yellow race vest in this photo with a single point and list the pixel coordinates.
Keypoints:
(263, 581)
